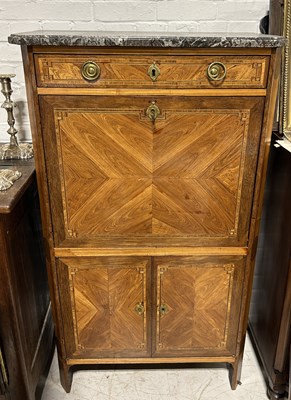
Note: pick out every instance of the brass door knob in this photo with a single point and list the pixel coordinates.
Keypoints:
(90, 71)
(216, 71)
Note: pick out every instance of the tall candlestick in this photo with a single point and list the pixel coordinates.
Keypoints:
(12, 150)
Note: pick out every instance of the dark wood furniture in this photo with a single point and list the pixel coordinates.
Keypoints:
(150, 178)
(269, 322)
(26, 328)
(271, 300)
(276, 17)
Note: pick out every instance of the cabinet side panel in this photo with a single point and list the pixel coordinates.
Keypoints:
(272, 281)
(41, 174)
(268, 119)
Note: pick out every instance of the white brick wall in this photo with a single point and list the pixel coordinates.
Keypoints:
(134, 15)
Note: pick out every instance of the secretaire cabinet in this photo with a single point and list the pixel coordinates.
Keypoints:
(151, 161)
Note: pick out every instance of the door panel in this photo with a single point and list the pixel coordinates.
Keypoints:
(197, 302)
(105, 306)
(188, 174)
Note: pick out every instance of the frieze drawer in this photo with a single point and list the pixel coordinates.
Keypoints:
(151, 71)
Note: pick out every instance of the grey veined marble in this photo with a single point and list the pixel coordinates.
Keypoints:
(145, 39)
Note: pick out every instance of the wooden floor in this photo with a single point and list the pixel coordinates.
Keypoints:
(199, 383)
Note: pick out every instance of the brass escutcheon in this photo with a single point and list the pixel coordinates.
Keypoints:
(164, 309)
(216, 71)
(154, 72)
(139, 308)
(153, 111)
(90, 71)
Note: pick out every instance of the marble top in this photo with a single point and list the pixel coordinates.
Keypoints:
(145, 39)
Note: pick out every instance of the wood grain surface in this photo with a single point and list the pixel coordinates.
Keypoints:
(132, 71)
(189, 173)
(99, 305)
(180, 196)
(90, 91)
(104, 248)
(100, 295)
(202, 296)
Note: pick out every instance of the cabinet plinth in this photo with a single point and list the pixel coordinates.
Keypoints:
(150, 176)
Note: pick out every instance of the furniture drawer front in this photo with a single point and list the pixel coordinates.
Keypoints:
(152, 71)
(104, 306)
(197, 302)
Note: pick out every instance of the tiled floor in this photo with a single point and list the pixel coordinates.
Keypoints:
(160, 384)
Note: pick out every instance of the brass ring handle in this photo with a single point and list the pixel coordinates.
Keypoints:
(139, 308)
(164, 309)
(153, 111)
(216, 71)
(90, 71)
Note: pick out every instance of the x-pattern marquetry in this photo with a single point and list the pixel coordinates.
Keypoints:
(151, 191)
(103, 302)
(198, 300)
(179, 176)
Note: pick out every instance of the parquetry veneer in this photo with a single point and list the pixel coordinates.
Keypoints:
(151, 163)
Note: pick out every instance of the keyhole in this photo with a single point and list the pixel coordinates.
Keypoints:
(153, 72)
(163, 309)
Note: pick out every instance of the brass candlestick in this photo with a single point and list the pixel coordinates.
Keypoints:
(12, 150)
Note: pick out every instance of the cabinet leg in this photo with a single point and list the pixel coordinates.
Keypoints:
(275, 395)
(235, 372)
(66, 375)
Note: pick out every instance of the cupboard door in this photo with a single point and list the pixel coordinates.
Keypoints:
(188, 174)
(198, 305)
(105, 308)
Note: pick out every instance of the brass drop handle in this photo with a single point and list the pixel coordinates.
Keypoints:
(90, 71)
(139, 308)
(153, 111)
(164, 309)
(216, 71)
